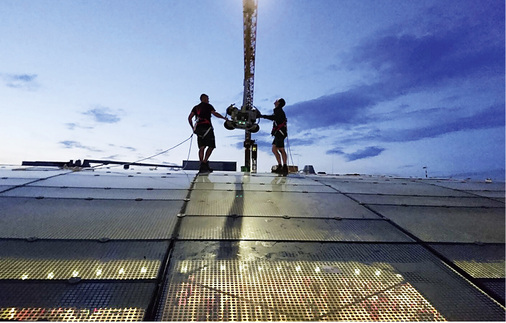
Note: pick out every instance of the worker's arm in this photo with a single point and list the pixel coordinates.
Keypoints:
(218, 115)
(190, 119)
(268, 117)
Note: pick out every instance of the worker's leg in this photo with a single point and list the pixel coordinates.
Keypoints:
(283, 155)
(208, 154)
(276, 154)
(201, 153)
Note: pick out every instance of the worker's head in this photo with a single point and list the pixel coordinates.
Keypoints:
(204, 98)
(279, 103)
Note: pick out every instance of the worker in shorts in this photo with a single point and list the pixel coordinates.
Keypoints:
(204, 130)
(279, 131)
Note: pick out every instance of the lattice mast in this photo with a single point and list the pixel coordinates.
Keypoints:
(250, 34)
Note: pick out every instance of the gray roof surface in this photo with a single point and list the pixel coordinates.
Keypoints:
(111, 244)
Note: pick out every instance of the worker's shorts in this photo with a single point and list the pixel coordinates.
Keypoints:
(205, 136)
(279, 140)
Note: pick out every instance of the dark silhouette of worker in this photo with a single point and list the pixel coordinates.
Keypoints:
(279, 131)
(204, 130)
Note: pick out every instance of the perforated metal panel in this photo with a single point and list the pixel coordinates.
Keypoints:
(82, 219)
(9, 181)
(490, 190)
(495, 287)
(33, 173)
(362, 178)
(289, 188)
(97, 193)
(362, 283)
(259, 179)
(496, 195)
(479, 261)
(263, 187)
(275, 204)
(227, 290)
(132, 180)
(467, 185)
(4, 188)
(50, 269)
(426, 201)
(105, 302)
(436, 224)
(402, 188)
(297, 229)
(53, 260)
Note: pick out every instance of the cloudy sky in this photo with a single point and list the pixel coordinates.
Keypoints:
(372, 86)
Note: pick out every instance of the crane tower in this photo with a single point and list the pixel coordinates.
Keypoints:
(250, 35)
(246, 117)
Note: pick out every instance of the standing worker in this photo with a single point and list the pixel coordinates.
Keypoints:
(279, 131)
(204, 130)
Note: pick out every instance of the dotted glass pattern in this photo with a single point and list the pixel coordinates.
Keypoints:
(294, 291)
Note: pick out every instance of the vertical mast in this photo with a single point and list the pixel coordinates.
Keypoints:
(250, 32)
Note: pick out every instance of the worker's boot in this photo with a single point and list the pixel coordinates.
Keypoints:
(277, 170)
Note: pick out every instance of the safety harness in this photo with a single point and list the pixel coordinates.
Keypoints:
(201, 121)
(278, 127)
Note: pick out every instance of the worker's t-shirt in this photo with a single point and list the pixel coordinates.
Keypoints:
(203, 112)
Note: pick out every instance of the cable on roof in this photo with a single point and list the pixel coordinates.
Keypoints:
(126, 165)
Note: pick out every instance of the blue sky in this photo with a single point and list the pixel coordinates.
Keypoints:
(372, 86)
